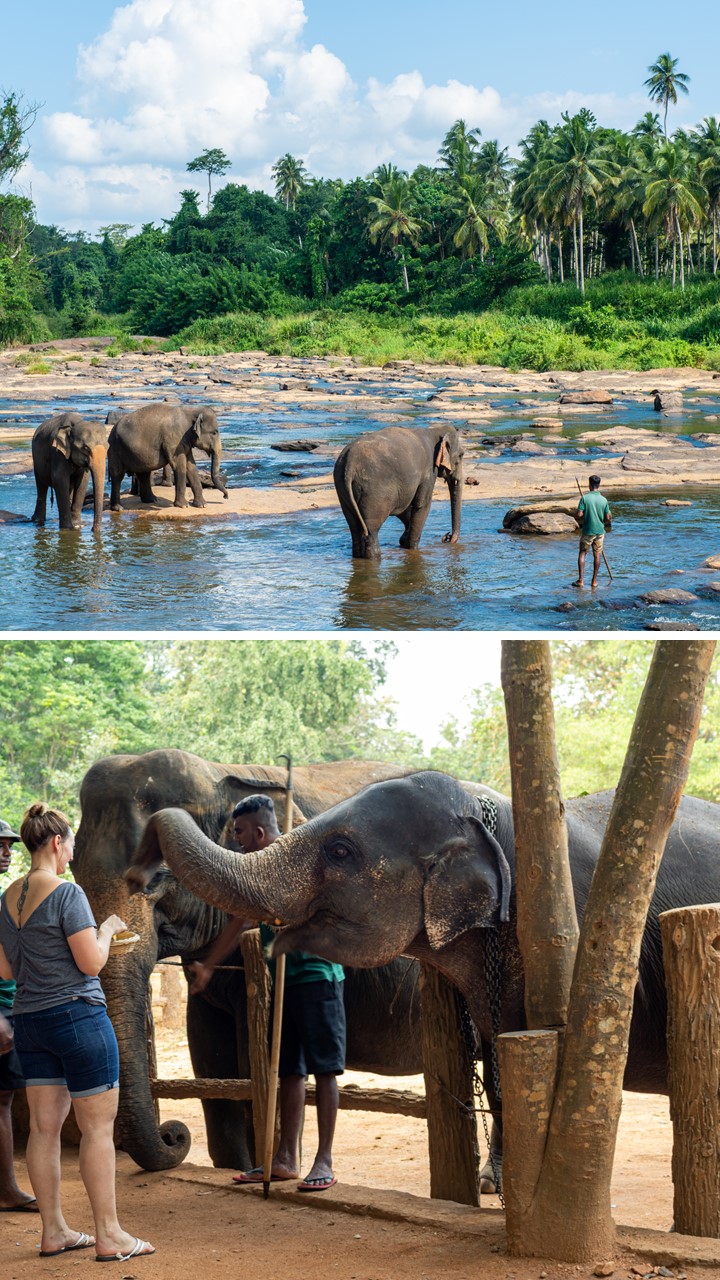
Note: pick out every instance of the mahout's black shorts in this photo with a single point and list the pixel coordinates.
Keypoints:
(313, 1029)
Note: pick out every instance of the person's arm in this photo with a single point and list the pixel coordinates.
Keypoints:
(90, 947)
(5, 971)
(224, 944)
(581, 508)
(607, 518)
(6, 1035)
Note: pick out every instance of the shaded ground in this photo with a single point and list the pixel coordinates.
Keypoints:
(203, 1226)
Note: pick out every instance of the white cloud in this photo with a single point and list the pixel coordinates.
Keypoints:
(168, 78)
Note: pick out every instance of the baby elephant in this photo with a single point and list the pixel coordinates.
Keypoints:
(392, 472)
(66, 451)
(161, 433)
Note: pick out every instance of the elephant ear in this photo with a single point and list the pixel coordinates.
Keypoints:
(467, 885)
(442, 455)
(61, 440)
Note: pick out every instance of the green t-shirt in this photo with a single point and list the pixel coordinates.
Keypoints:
(301, 967)
(594, 509)
(7, 994)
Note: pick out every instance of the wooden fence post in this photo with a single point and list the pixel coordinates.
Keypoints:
(452, 1126)
(691, 955)
(257, 988)
(528, 1063)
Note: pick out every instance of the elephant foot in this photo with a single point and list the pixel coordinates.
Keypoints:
(196, 504)
(176, 503)
(488, 1183)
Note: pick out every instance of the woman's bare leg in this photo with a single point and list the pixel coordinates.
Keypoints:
(48, 1105)
(96, 1116)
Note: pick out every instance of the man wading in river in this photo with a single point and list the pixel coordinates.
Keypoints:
(594, 512)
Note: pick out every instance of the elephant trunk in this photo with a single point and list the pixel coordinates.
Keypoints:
(98, 460)
(455, 483)
(274, 884)
(215, 457)
(125, 981)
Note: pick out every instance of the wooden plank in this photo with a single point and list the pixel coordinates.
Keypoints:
(257, 989)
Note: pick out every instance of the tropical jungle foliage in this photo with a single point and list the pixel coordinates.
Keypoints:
(592, 247)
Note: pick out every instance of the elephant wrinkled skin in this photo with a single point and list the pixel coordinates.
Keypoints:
(392, 472)
(66, 450)
(118, 795)
(407, 866)
(159, 434)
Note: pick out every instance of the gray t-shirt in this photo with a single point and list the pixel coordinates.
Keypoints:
(39, 956)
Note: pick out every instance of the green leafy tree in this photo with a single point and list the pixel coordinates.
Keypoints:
(16, 119)
(213, 162)
(674, 196)
(665, 83)
(459, 150)
(574, 167)
(394, 220)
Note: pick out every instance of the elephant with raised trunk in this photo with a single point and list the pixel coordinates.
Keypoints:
(392, 472)
(118, 796)
(158, 434)
(67, 450)
(409, 866)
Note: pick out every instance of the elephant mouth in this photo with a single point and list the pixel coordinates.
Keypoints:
(325, 934)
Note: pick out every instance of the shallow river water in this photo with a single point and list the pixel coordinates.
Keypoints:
(295, 572)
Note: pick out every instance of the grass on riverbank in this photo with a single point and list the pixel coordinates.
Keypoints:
(620, 324)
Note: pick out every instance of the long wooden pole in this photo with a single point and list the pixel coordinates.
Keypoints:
(607, 566)
(277, 1020)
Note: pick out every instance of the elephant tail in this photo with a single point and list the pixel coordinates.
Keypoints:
(348, 484)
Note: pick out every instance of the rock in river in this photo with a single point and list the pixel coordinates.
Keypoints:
(544, 522)
(668, 595)
(297, 446)
(586, 397)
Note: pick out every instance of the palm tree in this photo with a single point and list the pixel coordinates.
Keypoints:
(458, 150)
(664, 83)
(708, 151)
(393, 220)
(495, 166)
(648, 127)
(674, 196)
(527, 196)
(574, 168)
(479, 212)
(290, 177)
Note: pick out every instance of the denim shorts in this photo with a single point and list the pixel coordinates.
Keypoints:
(72, 1044)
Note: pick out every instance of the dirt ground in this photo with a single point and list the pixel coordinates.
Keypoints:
(376, 1224)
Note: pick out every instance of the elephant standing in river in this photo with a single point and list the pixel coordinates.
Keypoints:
(118, 796)
(392, 472)
(157, 434)
(409, 866)
(66, 450)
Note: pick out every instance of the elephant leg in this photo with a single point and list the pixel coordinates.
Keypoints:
(78, 498)
(116, 479)
(62, 498)
(213, 1051)
(193, 479)
(181, 470)
(491, 1172)
(414, 520)
(38, 515)
(145, 487)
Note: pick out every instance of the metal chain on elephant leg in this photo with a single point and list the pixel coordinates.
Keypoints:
(472, 1046)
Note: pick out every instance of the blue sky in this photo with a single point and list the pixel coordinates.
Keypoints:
(341, 85)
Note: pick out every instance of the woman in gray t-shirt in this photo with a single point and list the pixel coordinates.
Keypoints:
(50, 946)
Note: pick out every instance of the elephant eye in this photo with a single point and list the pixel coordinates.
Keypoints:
(339, 849)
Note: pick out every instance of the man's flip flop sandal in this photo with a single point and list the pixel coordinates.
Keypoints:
(316, 1184)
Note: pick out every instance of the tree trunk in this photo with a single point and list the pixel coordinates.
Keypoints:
(257, 987)
(575, 253)
(452, 1128)
(569, 1216)
(547, 925)
(657, 259)
(637, 248)
(681, 255)
(581, 232)
(690, 953)
(560, 258)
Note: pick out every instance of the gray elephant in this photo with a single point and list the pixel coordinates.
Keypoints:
(410, 866)
(157, 434)
(392, 472)
(118, 796)
(66, 450)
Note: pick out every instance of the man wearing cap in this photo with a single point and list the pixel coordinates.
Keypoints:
(12, 1199)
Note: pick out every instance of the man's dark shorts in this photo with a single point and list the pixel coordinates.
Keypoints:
(11, 1076)
(313, 1029)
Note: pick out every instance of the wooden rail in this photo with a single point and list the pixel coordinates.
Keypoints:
(352, 1098)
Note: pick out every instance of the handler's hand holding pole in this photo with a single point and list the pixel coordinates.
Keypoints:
(277, 1022)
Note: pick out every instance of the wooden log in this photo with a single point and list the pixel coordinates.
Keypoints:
(528, 1062)
(452, 1127)
(391, 1101)
(257, 989)
(691, 955)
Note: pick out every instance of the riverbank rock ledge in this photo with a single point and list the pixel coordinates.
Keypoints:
(586, 397)
(712, 562)
(668, 595)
